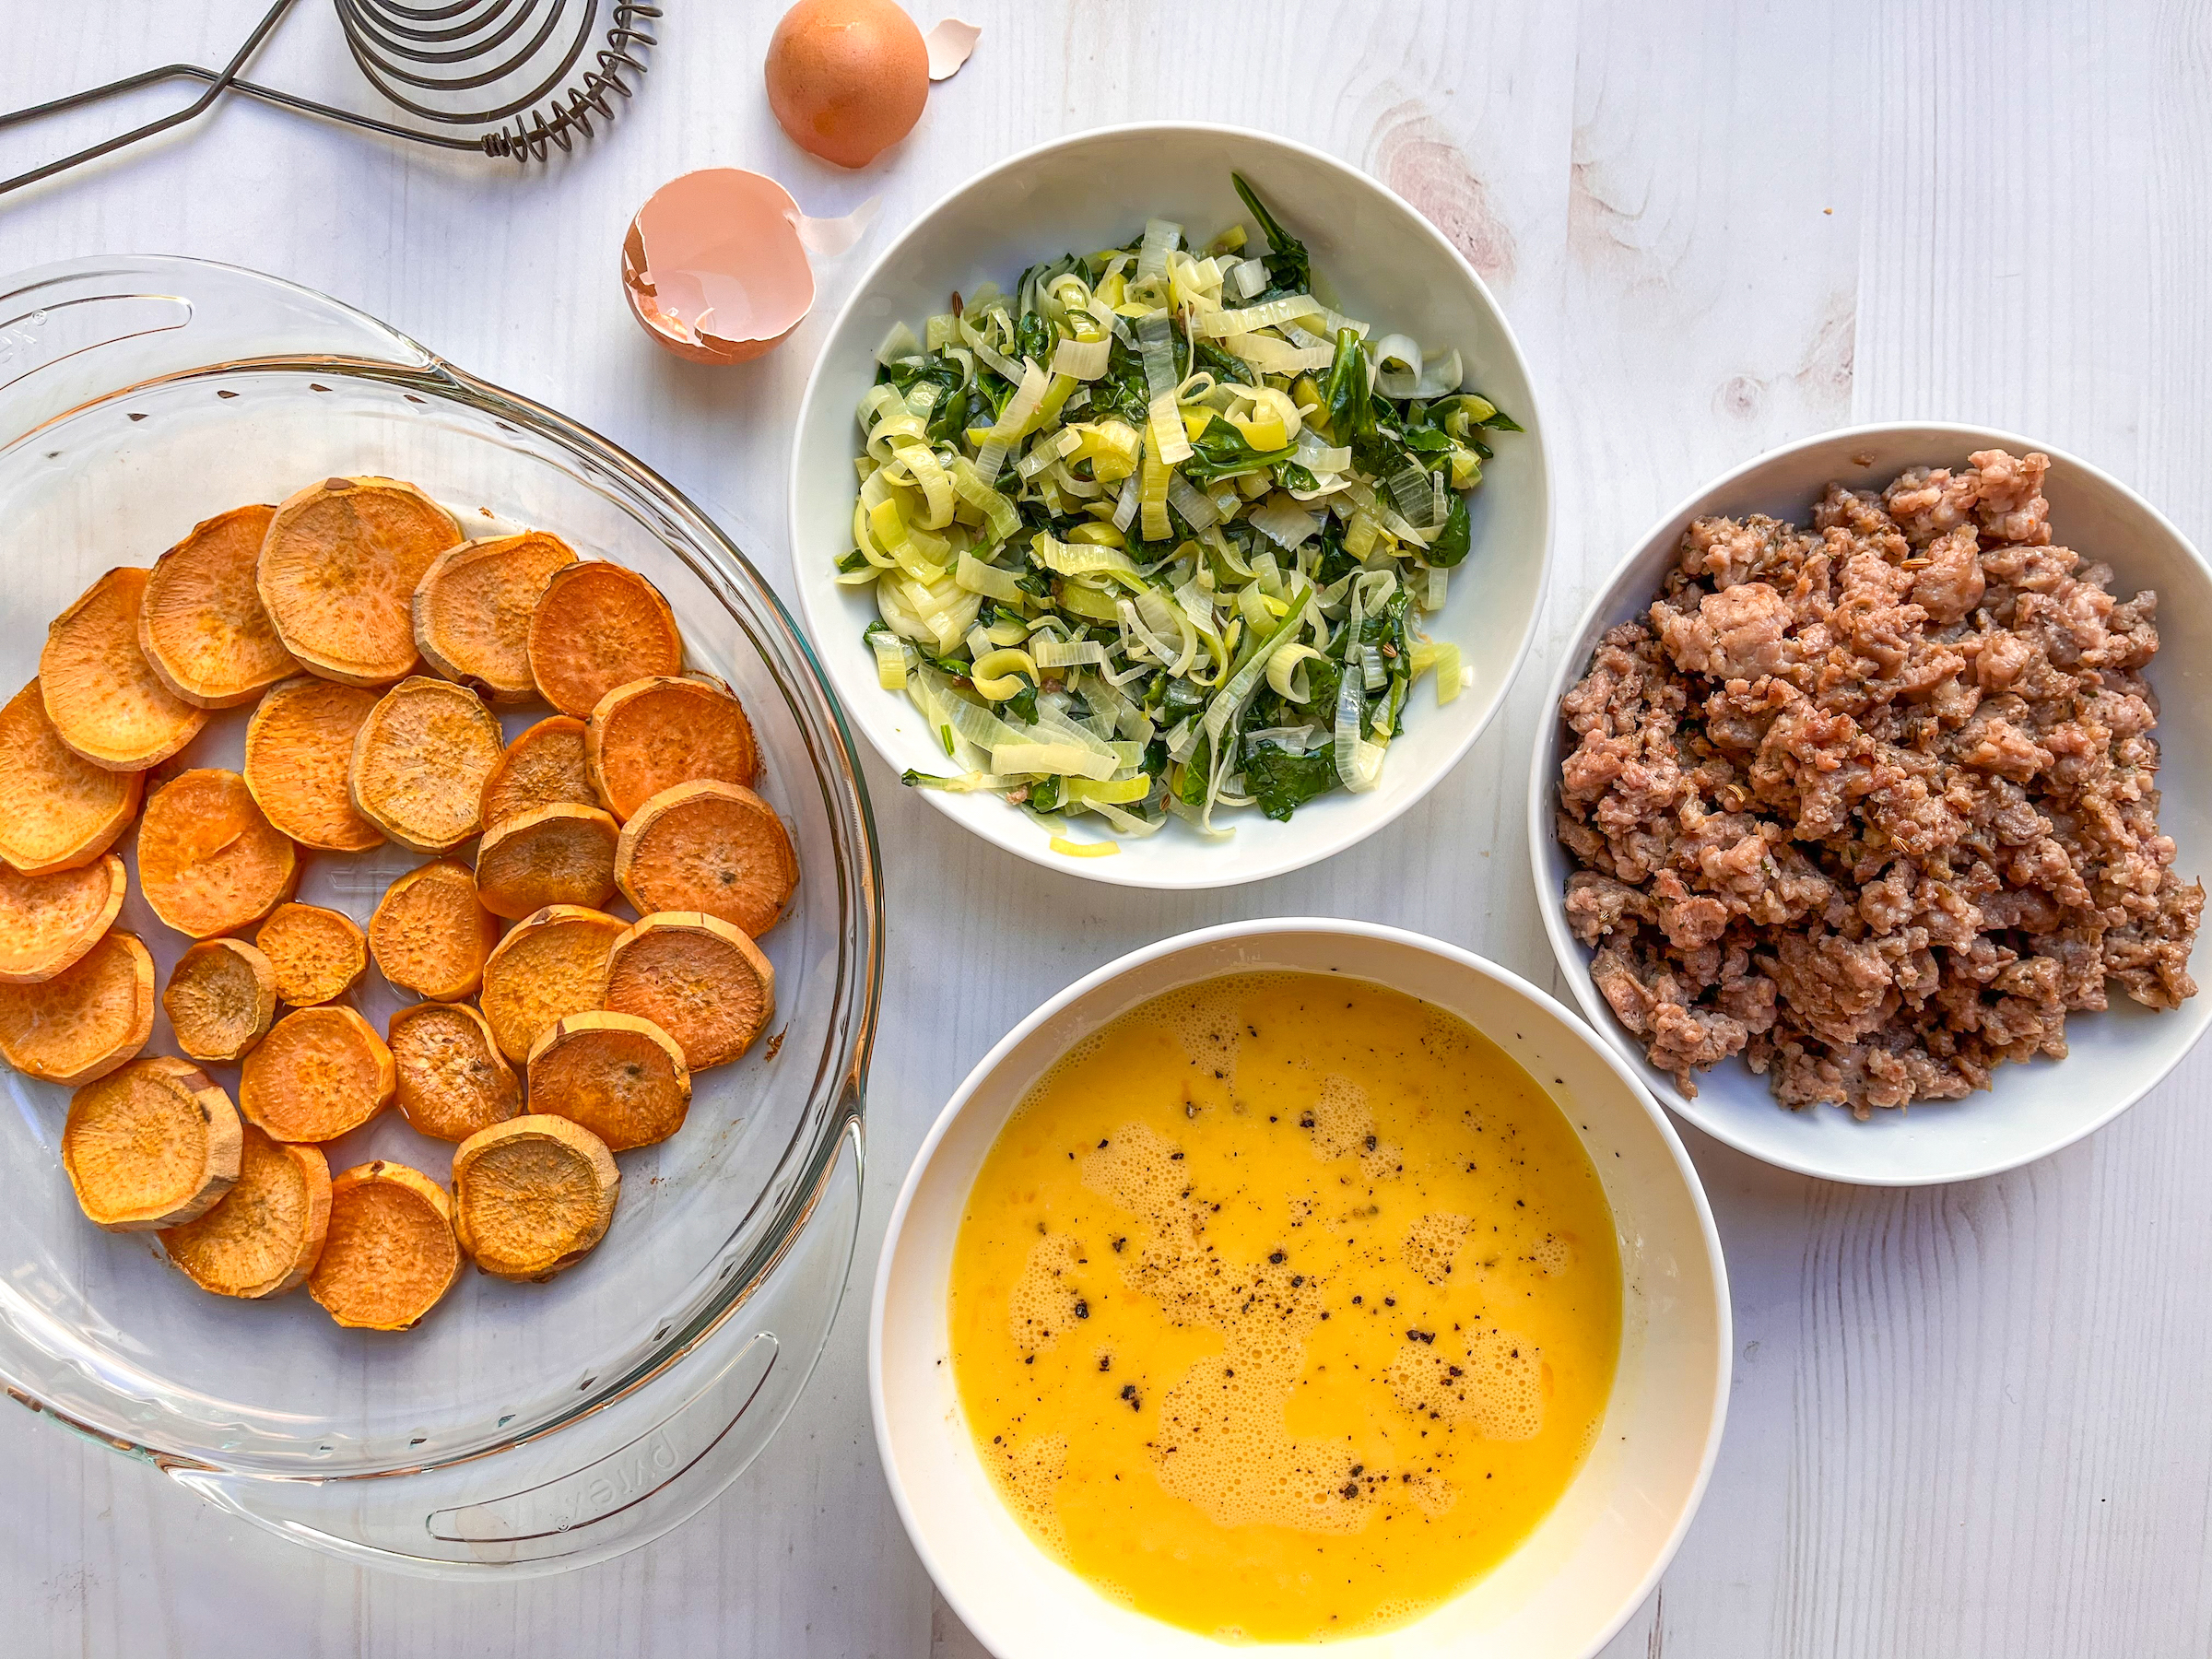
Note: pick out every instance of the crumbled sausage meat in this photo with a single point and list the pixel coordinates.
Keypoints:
(1872, 802)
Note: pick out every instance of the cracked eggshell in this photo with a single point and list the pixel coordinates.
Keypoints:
(950, 44)
(714, 267)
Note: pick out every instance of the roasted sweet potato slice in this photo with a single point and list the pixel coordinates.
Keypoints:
(472, 610)
(317, 954)
(390, 1253)
(155, 1144)
(718, 848)
(653, 734)
(599, 625)
(561, 855)
(532, 1196)
(550, 964)
(319, 1074)
(57, 809)
(620, 1076)
(419, 762)
(48, 922)
(263, 1238)
(453, 1079)
(698, 979)
(338, 570)
(544, 767)
(102, 694)
(299, 758)
(429, 934)
(200, 621)
(86, 1019)
(221, 997)
(209, 861)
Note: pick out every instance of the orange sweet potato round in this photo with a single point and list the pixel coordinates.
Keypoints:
(429, 934)
(472, 610)
(698, 979)
(453, 1079)
(620, 1076)
(653, 734)
(209, 861)
(319, 1074)
(544, 767)
(532, 1196)
(102, 694)
(390, 1253)
(57, 809)
(264, 1235)
(221, 997)
(550, 964)
(201, 623)
(419, 762)
(337, 573)
(599, 625)
(561, 855)
(317, 954)
(47, 922)
(298, 756)
(86, 1021)
(718, 848)
(154, 1145)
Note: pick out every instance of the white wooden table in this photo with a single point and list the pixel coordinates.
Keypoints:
(1967, 1421)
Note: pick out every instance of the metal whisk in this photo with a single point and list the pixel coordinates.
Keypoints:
(432, 61)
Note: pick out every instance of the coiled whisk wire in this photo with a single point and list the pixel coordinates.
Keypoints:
(452, 51)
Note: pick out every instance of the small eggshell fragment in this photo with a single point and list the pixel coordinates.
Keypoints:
(950, 44)
(714, 267)
(847, 78)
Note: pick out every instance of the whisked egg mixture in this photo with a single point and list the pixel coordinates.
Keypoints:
(1285, 1307)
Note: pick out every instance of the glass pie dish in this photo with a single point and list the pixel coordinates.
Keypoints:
(520, 1428)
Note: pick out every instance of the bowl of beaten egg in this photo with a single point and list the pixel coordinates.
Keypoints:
(1294, 1281)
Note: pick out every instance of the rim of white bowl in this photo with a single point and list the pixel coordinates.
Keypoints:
(1212, 866)
(1543, 765)
(1724, 1326)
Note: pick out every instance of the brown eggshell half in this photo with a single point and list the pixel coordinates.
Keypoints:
(714, 267)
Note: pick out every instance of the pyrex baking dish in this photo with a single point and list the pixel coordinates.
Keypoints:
(521, 1429)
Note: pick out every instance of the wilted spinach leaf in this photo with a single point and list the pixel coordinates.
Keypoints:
(1289, 266)
(1452, 542)
(1282, 782)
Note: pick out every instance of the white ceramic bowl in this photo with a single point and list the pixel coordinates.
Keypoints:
(1385, 263)
(2114, 1057)
(1587, 1566)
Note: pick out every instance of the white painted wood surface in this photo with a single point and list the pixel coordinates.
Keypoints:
(1966, 1422)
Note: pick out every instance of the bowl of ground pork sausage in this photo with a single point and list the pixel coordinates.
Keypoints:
(1872, 820)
